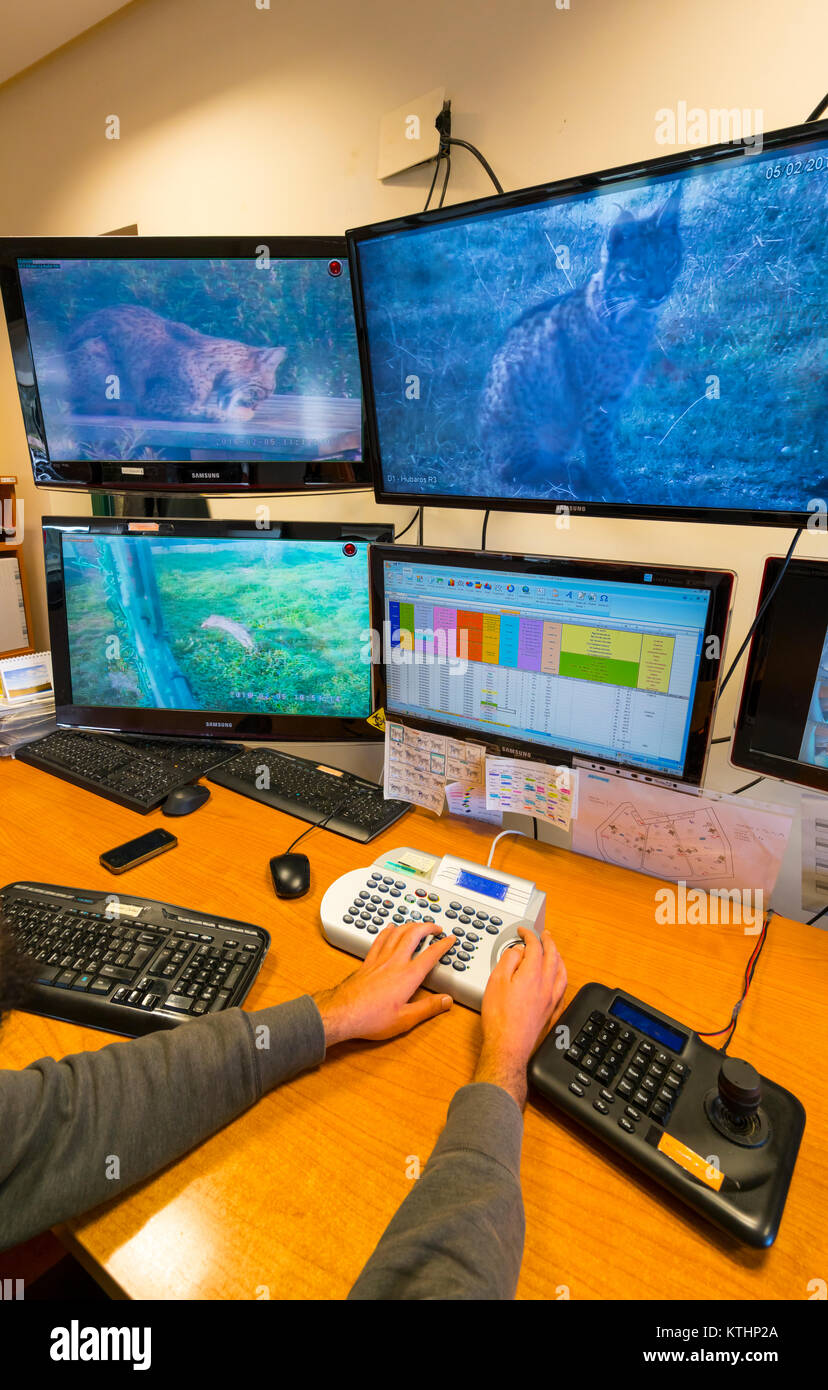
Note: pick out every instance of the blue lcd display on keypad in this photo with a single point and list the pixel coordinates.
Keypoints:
(489, 886)
(659, 1032)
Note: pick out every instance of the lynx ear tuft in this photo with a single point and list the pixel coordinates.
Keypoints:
(274, 356)
(669, 213)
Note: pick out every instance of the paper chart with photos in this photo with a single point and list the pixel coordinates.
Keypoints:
(418, 765)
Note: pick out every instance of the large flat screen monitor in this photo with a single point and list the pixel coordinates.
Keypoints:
(551, 657)
(649, 341)
(782, 726)
(211, 628)
(214, 364)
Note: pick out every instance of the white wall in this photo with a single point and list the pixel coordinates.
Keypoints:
(240, 119)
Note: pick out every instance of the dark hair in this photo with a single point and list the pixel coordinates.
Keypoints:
(17, 972)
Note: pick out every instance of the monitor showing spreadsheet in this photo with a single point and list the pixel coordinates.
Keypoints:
(612, 662)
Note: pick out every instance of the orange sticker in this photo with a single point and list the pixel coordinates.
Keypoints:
(693, 1162)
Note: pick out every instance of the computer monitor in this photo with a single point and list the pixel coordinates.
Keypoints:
(215, 364)
(647, 341)
(782, 725)
(553, 658)
(211, 628)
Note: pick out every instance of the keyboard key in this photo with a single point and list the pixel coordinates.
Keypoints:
(178, 1003)
(625, 1124)
(575, 1088)
(601, 1105)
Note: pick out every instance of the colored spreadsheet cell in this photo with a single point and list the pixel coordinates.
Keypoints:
(614, 643)
(656, 663)
(599, 669)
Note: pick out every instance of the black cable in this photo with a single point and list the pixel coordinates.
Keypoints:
(726, 739)
(535, 819)
(818, 110)
(420, 532)
(318, 826)
(747, 786)
(750, 970)
(761, 613)
(450, 140)
(485, 529)
(408, 527)
(445, 181)
(434, 180)
(821, 913)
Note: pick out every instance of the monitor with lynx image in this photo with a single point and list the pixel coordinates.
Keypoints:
(553, 658)
(782, 725)
(211, 628)
(648, 341)
(210, 364)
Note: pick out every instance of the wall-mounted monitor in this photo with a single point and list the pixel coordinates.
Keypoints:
(208, 364)
(552, 658)
(782, 726)
(211, 628)
(648, 341)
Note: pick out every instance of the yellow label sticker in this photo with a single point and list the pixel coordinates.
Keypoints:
(693, 1162)
(377, 719)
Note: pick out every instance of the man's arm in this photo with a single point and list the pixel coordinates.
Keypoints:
(146, 1101)
(142, 1102)
(459, 1233)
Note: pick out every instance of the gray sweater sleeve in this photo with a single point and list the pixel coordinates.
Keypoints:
(77, 1132)
(459, 1233)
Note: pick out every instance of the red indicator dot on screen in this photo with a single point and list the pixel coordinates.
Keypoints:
(334, 267)
(349, 549)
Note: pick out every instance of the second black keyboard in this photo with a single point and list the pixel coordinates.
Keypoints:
(126, 964)
(138, 773)
(311, 792)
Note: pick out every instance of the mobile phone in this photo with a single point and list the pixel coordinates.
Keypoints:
(124, 857)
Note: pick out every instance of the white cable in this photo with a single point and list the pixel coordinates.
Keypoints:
(500, 837)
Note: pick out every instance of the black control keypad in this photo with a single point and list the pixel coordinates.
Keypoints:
(646, 1077)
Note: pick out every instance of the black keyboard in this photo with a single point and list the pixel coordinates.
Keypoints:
(306, 790)
(129, 965)
(138, 773)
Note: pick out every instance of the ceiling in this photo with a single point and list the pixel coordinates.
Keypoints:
(31, 29)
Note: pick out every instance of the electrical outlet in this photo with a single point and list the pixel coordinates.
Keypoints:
(408, 136)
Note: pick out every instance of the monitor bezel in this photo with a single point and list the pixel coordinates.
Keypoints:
(742, 755)
(166, 475)
(675, 165)
(217, 724)
(720, 583)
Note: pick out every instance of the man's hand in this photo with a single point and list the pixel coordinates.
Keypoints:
(376, 1001)
(523, 996)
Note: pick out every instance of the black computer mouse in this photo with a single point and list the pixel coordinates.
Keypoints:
(291, 875)
(185, 799)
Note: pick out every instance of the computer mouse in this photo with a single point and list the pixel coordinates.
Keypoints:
(291, 875)
(185, 799)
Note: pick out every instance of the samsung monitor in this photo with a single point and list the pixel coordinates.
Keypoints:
(212, 364)
(782, 725)
(211, 628)
(649, 341)
(553, 658)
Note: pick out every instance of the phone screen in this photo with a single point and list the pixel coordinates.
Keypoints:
(152, 843)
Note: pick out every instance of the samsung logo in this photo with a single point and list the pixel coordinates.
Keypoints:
(216, 724)
(206, 475)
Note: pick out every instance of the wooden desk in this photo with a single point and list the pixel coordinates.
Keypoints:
(292, 1197)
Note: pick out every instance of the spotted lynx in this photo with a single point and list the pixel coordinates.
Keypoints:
(556, 384)
(164, 369)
